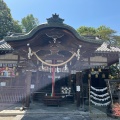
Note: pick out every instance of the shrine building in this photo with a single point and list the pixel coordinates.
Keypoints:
(54, 64)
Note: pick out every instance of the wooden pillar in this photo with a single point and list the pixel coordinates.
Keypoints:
(53, 78)
(119, 96)
(37, 80)
(53, 81)
(28, 85)
(69, 80)
(78, 87)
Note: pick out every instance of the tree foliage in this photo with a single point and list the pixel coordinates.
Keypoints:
(5, 19)
(17, 26)
(83, 30)
(29, 22)
(7, 24)
(117, 38)
(103, 32)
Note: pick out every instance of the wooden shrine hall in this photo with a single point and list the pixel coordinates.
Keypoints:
(52, 64)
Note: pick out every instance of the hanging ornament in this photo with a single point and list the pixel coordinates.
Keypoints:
(109, 76)
(92, 70)
(50, 69)
(57, 69)
(99, 70)
(89, 75)
(7, 68)
(13, 68)
(103, 75)
(29, 51)
(78, 54)
(65, 66)
(1, 73)
(17, 73)
(117, 75)
(96, 75)
(37, 62)
(42, 66)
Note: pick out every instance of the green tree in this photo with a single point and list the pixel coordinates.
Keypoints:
(7, 23)
(117, 38)
(17, 26)
(105, 33)
(29, 22)
(83, 30)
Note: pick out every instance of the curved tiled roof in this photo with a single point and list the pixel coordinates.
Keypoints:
(56, 22)
(104, 48)
(53, 22)
(5, 47)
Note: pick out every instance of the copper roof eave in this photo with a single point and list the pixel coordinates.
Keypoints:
(42, 26)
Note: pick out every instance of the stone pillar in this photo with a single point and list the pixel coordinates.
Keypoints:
(78, 88)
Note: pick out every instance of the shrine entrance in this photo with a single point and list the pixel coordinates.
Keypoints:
(58, 65)
(63, 87)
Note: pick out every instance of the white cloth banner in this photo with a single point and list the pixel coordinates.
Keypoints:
(103, 95)
(100, 104)
(103, 99)
(100, 90)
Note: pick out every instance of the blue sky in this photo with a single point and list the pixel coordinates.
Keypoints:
(76, 13)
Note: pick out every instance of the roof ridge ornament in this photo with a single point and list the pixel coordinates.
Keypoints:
(55, 19)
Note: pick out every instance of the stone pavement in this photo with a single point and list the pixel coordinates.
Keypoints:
(56, 117)
(39, 111)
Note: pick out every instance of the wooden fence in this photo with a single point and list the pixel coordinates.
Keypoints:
(12, 94)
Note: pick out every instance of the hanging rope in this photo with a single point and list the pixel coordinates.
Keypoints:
(100, 99)
(101, 90)
(54, 65)
(103, 95)
(100, 104)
